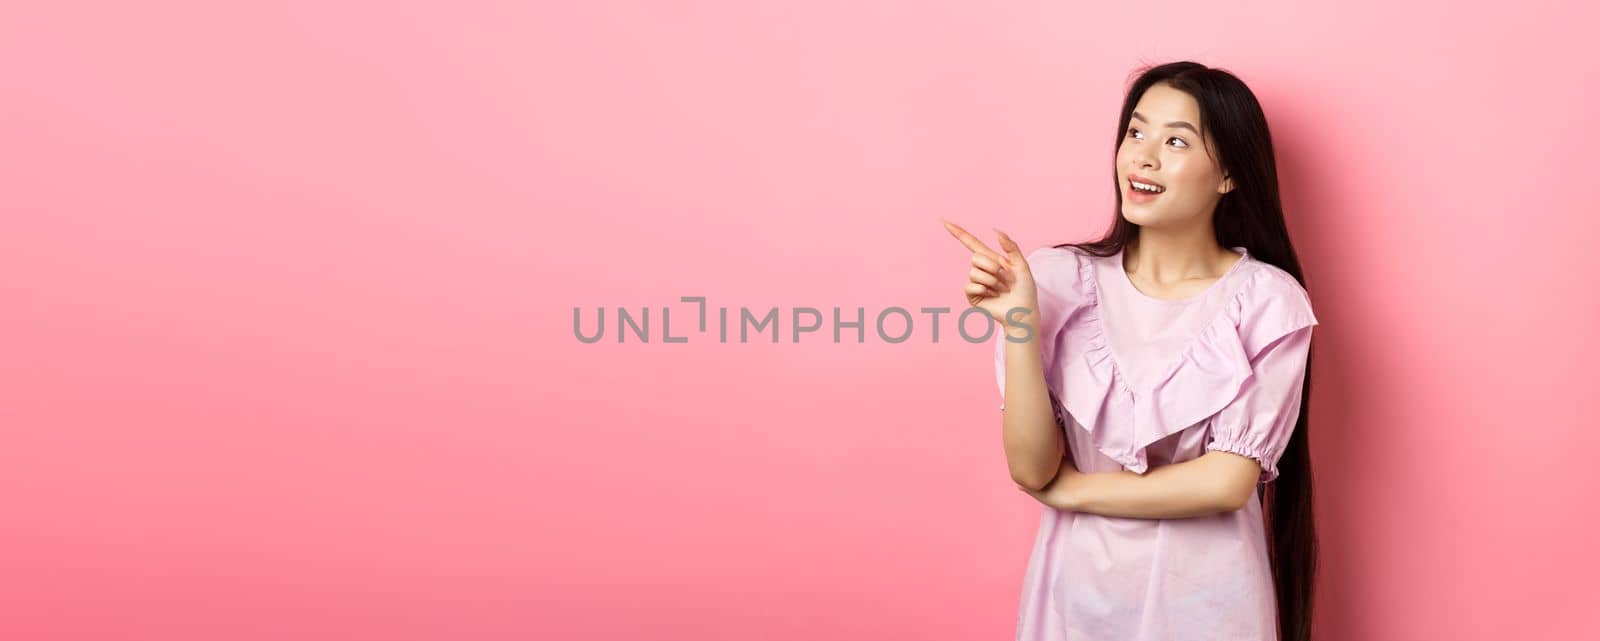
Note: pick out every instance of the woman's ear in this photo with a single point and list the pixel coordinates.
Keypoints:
(1227, 185)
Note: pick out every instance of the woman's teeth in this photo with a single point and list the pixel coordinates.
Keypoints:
(1148, 188)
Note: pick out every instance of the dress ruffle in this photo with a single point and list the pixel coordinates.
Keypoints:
(1210, 371)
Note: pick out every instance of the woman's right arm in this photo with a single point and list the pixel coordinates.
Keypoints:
(1032, 439)
(1002, 285)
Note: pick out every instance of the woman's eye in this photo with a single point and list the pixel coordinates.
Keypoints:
(1138, 135)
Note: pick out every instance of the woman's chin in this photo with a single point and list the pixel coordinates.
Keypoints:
(1139, 215)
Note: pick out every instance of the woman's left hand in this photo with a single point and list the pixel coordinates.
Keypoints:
(1059, 494)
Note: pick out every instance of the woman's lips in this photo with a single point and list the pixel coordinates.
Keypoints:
(1141, 196)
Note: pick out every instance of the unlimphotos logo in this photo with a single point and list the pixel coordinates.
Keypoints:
(893, 324)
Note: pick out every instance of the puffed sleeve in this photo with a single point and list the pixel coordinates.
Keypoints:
(1058, 276)
(1260, 420)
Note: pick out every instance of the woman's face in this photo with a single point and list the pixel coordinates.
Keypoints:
(1163, 146)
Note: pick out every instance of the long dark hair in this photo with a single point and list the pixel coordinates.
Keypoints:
(1250, 216)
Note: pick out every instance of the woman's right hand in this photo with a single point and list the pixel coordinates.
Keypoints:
(999, 282)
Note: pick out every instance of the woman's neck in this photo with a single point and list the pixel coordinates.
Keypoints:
(1169, 259)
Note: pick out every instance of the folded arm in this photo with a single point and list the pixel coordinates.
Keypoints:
(1209, 484)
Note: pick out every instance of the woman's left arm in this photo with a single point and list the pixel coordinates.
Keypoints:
(1212, 483)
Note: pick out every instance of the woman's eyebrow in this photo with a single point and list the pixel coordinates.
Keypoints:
(1177, 123)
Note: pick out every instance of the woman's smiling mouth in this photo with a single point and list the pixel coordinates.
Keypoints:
(1141, 190)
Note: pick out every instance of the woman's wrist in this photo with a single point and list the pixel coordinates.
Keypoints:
(1022, 328)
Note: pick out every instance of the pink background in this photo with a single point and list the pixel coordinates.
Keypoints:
(288, 294)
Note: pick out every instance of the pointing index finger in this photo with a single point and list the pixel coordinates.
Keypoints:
(972, 243)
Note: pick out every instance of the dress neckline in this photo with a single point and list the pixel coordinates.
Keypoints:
(1127, 282)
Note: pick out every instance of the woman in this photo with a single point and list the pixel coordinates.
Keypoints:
(1158, 379)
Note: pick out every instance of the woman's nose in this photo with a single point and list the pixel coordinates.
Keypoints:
(1144, 159)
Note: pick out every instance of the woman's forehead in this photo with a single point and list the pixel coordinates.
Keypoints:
(1163, 106)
